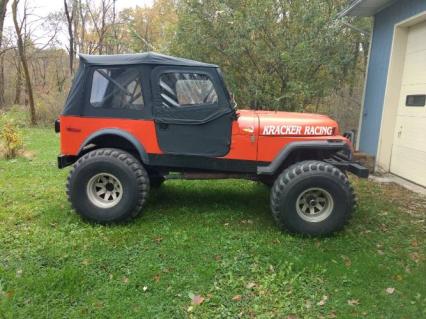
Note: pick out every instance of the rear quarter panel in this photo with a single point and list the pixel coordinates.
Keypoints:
(75, 130)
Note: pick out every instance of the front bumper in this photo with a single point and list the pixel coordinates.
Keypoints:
(345, 164)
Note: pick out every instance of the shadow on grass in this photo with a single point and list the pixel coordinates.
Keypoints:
(210, 194)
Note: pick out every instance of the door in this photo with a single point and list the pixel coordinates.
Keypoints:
(409, 147)
(192, 111)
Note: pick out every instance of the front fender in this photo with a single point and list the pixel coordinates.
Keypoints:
(275, 165)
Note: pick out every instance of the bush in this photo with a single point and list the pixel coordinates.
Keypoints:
(48, 107)
(11, 140)
(16, 114)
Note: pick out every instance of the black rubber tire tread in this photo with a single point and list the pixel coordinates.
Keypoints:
(297, 171)
(130, 161)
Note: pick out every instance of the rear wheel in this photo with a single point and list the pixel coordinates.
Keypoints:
(108, 185)
(312, 198)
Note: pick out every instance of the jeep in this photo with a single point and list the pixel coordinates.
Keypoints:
(132, 121)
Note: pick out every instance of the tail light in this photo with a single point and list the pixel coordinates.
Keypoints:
(57, 126)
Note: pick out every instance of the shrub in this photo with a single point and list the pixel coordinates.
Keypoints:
(11, 140)
(48, 107)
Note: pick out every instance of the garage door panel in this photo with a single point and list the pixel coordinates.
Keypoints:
(415, 68)
(408, 158)
(409, 163)
(410, 132)
(416, 38)
(407, 90)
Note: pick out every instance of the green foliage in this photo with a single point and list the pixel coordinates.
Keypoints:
(11, 140)
(214, 239)
(49, 106)
(276, 54)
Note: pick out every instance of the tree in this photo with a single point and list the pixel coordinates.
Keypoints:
(21, 50)
(279, 54)
(99, 18)
(150, 28)
(18, 81)
(70, 8)
(3, 7)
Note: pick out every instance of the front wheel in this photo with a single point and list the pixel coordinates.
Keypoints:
(312, 198)
(108, 185)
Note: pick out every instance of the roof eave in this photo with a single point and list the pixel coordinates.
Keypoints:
(356, 8)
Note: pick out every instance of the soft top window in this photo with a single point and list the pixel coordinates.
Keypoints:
(116, 88)
(186, 89)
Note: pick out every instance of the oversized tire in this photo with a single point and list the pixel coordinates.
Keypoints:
(312, 198)
(108, 186)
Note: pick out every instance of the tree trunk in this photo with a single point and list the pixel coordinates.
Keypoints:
(3, 7)
(70, 17)
(18, 83)
(82, 28)
(2, 99)
(24, 62)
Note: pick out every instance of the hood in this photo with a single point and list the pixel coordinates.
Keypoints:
(295, 124)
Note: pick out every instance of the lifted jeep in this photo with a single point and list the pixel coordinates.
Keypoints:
(132, 121)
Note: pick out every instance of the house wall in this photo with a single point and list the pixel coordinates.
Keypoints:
(384, 25)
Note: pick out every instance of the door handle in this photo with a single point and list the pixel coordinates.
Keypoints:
(400, 131)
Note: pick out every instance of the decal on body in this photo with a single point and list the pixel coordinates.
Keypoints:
(297, 130)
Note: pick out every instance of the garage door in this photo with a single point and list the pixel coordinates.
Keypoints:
(409, 145)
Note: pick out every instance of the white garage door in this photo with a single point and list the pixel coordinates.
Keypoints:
(409, 146)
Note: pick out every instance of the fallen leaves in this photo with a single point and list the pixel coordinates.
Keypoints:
(347, 261)
(236, 298)
(415, 257)
(196, 299)
(353, 302)
(322, 301)
(390, 290)
(157, 278)
(158, 240)
(250, 285)
(85, 262)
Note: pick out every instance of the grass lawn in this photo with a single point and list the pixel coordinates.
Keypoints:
(213, 239)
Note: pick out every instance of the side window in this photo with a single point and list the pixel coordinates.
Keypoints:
(117, 88)
(184, 89)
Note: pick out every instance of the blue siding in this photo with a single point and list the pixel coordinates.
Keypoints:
(384, 25)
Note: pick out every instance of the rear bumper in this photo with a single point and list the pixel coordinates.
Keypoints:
(66, 160)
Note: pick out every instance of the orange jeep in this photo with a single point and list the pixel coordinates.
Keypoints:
(131, 120)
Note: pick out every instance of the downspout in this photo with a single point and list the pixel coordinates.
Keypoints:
(361, 114)
(364, 32)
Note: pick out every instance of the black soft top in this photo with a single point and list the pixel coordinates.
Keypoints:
(140, 58)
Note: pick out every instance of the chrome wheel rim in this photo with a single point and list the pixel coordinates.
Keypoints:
(314, 205)
(104, 190)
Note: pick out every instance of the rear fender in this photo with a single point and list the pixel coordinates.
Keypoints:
(119, 133)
